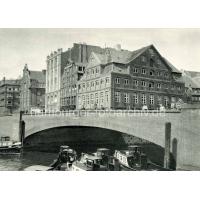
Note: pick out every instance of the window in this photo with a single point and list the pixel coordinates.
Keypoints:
(135, 98)
(166, 100)
(158, 85)
(126, 81)
(143, 59)
(143, 71)
(83, 85)
(92, 71)
(166, 74)
(107, 97)
(96, 98)
(151, 62)
(143, 84)
(97, 70)
(91, 98)
(179, 87)
(101, 97)
(173, 87)
(159, 73)
(117, 96)
(144, 99)
(151, 85)
(117, 80)
(97, 83)
(135, 82)
(88, 99)
(126, 97)
(151, 73)
(83, 98)
(135, 70)
(107, 80)
(92, 84)
(151, 100)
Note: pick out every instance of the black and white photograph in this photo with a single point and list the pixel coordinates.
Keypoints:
(99, 99)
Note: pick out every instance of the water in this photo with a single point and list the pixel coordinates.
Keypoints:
(18, 163)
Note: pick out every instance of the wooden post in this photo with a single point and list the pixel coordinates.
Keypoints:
(167, 145)
(20, 127)
(22, 132)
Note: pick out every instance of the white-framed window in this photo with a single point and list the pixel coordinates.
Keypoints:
(166, 100)
(117, 96)
(92, 98)
(126, 97)
(101, 97)
(97, 83)
(144, 99)
(143, 71)
(151, 99)
(135, 98)
(96, 98)
(135, 70)
(151, 85)
(97, 70)
(88, 99)
(143, 84)
(107, 80)
(126, 81)
(172, 87)
(158, 85)
(117, 80)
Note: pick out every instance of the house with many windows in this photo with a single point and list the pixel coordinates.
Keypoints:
(121, 79)
(9, 96)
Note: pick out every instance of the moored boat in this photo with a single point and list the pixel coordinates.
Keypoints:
(9, 147)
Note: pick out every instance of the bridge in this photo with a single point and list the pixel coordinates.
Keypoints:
(149, 126)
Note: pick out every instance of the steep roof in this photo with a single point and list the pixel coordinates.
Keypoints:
(125, 56)
(37, 75)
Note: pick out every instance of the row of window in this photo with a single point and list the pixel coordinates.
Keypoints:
(94, 83)
(144, 84)
(143, 97)
(94, 98)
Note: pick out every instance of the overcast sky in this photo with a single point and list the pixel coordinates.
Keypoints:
(19, 46)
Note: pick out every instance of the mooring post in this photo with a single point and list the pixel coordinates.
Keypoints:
(23, 131)
(167, 145)
(20, 125)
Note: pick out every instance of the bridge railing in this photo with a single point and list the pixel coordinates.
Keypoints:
(103, 113)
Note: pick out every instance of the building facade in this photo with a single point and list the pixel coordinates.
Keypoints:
(9, 96)
(32, 90)
(61, 83)
(121, 79)
(192, 86)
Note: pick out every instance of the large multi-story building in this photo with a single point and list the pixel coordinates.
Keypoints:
(32, 90)
(9, 96)
(78, 57)
(121, 79)
(192, 86)
(59, 82)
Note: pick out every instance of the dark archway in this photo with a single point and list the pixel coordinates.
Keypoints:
(88, 139)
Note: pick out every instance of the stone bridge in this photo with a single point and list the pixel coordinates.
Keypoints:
(149, 126)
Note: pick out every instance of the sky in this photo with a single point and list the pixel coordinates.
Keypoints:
(20, 46)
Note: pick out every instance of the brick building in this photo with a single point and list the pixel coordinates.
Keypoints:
(121, 79)
(192, 86)
(9, 96)
(32, 90)
(77, 59)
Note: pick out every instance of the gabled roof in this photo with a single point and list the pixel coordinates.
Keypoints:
(37, 75)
